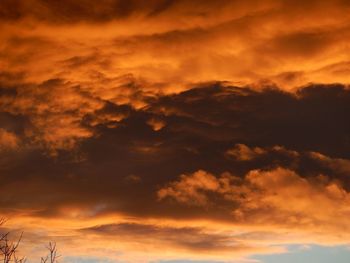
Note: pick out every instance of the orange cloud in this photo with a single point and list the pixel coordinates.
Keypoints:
(244, 153)
(179, 45)
(186, 42)
(104, 104)
(156, 124)
(137, 240)
(337, 164)
(8, 140)
(278, 197)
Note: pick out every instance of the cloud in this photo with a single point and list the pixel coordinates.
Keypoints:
(191, 189)
(178, 43)
(92, 135)
(192, 239)
(156, 124)
(244, 153)
(339, 165)
(104, 104)
(132, 240)
(55, 110)
(65, 12)
(278, 196)
(8, 140)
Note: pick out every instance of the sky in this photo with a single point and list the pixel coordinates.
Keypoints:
(176, 131)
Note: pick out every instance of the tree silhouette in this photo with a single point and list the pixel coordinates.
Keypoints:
(9, 249)
(52, 257)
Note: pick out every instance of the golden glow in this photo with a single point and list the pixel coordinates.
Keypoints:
(156, 130)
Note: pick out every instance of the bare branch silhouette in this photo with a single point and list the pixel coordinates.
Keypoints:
(52, 257)
(8, 249)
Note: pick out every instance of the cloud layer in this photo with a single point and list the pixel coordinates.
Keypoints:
(246, 164)
(175, 129)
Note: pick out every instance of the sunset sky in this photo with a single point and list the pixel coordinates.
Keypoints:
(176, 131)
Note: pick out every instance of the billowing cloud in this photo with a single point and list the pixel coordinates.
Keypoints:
(278, 196)
(93, 136)
(172, 44)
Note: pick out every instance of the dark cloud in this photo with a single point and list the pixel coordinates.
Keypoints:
(82, 10)
(186, 237)
(300, 121)
(64, 11)
(201, 126)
